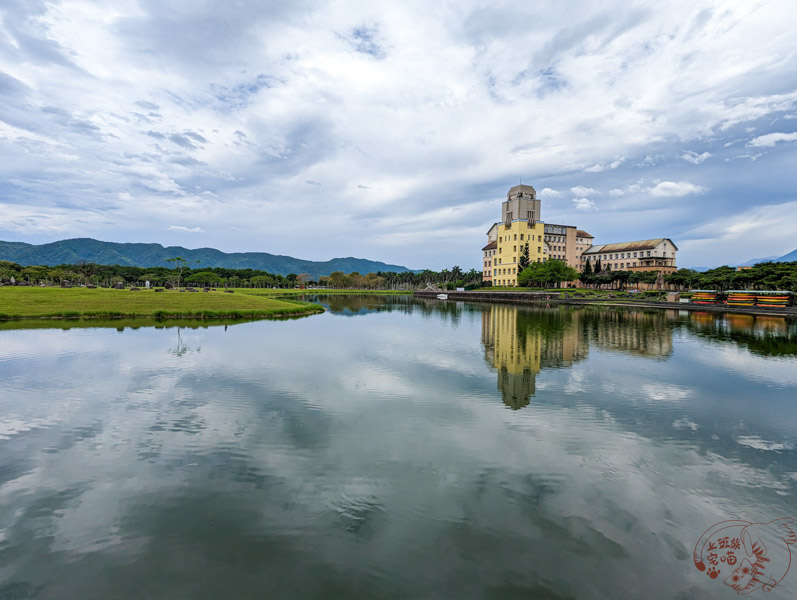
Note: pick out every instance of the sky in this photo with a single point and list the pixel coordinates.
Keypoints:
(393, 130)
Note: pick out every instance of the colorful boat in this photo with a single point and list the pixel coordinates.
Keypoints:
(741, 298)
(777, 298)
(704, 296)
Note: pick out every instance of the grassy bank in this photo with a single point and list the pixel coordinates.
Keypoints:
(82, 303)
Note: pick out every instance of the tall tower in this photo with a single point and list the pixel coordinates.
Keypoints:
(521, 204)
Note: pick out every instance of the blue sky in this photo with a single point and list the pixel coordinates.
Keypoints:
(392, 131)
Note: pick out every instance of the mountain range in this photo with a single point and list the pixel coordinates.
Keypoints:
(87, 250)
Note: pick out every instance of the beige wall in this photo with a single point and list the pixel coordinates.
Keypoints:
(564, 244)
(661, 257)
(487, 258)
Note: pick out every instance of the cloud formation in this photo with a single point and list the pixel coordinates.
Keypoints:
(694, 157)
(770, 139)
(549, 193)
(114, 126)
(584, 204)
(182, 229)
(669, 189)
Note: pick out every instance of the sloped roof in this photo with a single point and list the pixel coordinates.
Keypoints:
(582, 233)
(491, 246)
(626, 246)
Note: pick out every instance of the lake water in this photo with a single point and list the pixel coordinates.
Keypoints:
(394, 449)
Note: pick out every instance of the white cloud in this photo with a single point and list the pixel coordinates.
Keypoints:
(670, 189)
(597, 168)
(583, 191)
(659, 189)
(549, 193)
(584, 204)
(748, 155)
(182, 229)
(770, 139)
(694, 157)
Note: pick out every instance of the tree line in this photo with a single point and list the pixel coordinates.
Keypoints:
(186, 273)
(552, 273)
(762, 276)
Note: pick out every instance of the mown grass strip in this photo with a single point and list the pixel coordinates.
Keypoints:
(82, 303)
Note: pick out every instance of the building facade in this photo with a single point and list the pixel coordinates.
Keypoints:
(489, 252)
(567, 243)
(519, 226)
(644, 255)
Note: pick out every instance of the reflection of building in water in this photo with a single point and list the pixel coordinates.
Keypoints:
(516, 357)
(569, 346)
(519, 341)
(647, 334)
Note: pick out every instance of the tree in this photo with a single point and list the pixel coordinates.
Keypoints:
(587, 269)
(336, 279)
(551, 272)
(524, 261)
(207, 278)
(180, 265)
(261, 281)
(597, 266)
(621, 277)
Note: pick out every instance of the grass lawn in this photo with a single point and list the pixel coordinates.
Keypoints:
(35, 302)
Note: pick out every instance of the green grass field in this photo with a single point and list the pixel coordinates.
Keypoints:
(33, 302)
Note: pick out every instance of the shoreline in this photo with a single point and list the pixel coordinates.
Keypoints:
(556, 298)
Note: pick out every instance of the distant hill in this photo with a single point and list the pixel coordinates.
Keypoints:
(790, 257)
(754, 261)
(87, 250)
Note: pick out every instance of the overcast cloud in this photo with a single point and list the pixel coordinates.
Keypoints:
(393, 131)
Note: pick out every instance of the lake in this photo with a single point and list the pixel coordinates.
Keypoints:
(394, 448)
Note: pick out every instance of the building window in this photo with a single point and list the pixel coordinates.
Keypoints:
(515, 237)
(521, 237)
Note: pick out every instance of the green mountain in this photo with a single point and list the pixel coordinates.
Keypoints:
(87, 250)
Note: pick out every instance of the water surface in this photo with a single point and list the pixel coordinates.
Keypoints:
(392, 449)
